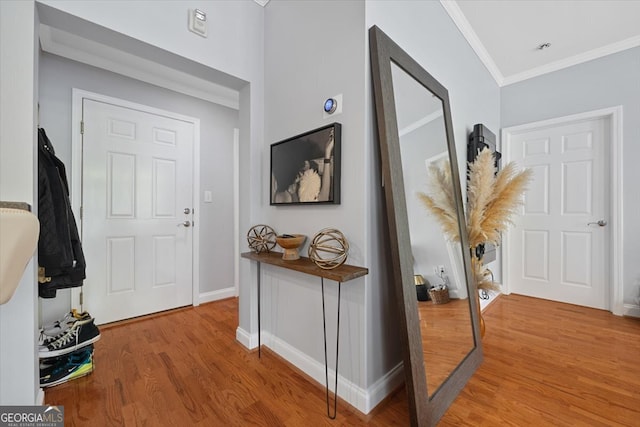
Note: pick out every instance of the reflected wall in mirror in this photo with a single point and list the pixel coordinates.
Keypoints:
(442, 342)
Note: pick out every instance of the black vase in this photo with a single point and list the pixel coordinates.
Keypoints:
(422, 292)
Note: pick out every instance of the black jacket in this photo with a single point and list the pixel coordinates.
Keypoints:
(59, 248)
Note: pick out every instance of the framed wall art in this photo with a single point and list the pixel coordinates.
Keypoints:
(306, 168)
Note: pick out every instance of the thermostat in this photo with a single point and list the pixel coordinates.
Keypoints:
(330, 106)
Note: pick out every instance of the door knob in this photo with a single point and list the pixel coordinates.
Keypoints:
(185, 224)
(187, 211)
(601, 223)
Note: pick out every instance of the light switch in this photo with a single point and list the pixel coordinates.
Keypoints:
(208, 197)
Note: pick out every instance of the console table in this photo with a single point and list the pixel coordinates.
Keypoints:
(340, 274)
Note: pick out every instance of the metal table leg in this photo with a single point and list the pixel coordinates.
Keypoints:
(326, 366)
(259, 327)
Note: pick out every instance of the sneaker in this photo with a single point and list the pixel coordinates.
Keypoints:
(81, 334)
(53, 330)
(73, 365)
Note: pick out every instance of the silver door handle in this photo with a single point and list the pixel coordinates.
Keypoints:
(601, 223)
(185, 224)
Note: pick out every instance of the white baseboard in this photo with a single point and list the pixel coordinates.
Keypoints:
(361, 399)
(40, 397)
(246, 339)
(211, 296)
(384, 386)
(632, 310)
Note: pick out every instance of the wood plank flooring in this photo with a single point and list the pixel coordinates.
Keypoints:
(546, 364)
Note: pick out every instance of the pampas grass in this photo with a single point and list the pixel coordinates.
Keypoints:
(493, 199)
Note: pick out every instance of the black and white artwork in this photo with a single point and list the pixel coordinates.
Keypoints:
(306, 168)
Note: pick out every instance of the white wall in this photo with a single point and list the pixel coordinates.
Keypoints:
(58, 76)
(19, 382)
(605, 82)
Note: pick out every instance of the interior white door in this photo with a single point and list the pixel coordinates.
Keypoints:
(557, 249)
(136, 211)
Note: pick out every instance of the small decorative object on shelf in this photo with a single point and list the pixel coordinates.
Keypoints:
(329, 248)
(439, 294)
(290, 243)
(261, 238)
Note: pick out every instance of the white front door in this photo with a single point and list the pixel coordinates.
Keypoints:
(557, 249)
(137, 208)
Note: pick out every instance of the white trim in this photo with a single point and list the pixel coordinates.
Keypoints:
(71, 46)
(361, 399)
(250, 341)
(262, 3)
(632, 310)
(236, 210)
(40, 397)
(216, 295)
(195, 178)
(384, 387)
(419, 123)
(616, 261)
(77, 95)
(573, 60)
(458, 18)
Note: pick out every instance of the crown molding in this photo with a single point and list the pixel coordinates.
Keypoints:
(420, 123)
(573, 60)
(454, 11)
(262, 3)
(89, 52)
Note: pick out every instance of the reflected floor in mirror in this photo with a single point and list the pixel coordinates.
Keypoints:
(446, 338)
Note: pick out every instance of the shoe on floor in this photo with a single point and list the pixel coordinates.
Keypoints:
(52, 330)
(81, 334)
(68, 367)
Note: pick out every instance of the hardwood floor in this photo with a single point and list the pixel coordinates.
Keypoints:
(546, 364)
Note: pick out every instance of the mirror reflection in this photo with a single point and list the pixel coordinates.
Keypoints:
(446, 327)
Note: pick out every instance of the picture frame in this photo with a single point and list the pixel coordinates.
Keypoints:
(305, 169)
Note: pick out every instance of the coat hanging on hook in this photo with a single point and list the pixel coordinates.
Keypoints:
(60, 256)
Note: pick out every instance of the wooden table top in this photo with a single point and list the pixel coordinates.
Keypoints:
(343, 273)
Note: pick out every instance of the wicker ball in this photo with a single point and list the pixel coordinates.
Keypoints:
(328, 249)
(261, 238)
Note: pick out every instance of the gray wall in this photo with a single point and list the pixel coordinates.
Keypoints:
(315, 50)
(59, 75)
(605, 82)
(304, 64)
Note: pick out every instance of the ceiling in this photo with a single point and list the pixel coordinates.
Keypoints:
(506, 33)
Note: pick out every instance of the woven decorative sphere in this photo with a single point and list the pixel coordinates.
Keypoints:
(328, 249)
(261, 238)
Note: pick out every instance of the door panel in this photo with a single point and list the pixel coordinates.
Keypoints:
(137, 181)
(554, 252)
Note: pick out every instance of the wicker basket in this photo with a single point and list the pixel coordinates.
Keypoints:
(439, 296)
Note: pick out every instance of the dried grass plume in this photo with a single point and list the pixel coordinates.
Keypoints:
(493, 200)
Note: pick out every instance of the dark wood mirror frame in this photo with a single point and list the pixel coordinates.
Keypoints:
(424, 411)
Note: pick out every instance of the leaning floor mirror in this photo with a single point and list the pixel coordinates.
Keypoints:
(417, 153)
